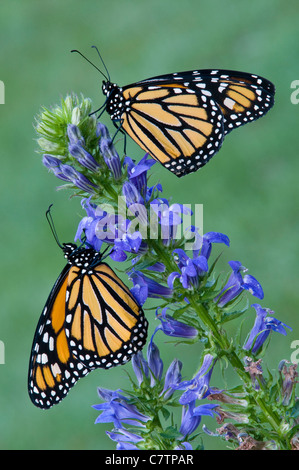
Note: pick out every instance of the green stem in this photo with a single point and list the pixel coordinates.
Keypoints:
(108, 189)
(271, 416)
(160, 251)
(228, 350)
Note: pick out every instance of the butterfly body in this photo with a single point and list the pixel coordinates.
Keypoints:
(181, 119)
(90, 320)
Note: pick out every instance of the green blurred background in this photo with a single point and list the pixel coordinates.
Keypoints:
(249, 190)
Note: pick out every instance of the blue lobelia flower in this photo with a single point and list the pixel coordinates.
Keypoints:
(208, 239)
(153, 368)
(118, 411)
(155, 363)
(189, 422)
(145, 287)
(126, 440)
(99, 226)
(84, 158)
(169, 217)
(198, 387)
(54, 164)
(191, 416)
(74, 135)
(172, 327)
(77, 150)
(128, 243)
(192, 270)
(236, 285)
(108, 151)
(172, 378)
(131, 194)
(87, 225)
(262, 327)
(137, 175)
(140, 367)
(135, 203)
(67, 173)
(126, 446)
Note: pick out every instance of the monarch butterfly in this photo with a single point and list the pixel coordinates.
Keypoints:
(181, 119)
(90, 320)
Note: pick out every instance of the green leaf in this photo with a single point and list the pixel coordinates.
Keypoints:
(165, 413)
(232, 315)
(295, 411)
(171, 433)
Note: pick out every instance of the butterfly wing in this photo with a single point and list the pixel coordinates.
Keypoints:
(180, 128)
(53, 370)
(182, 118)
(242, 97)
(90, 320)
(104, 324)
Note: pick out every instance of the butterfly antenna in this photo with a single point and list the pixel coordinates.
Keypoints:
(82, 55)
(108, 75)
(106, 249)
(103, 107)
(52, 226)
(104, 253)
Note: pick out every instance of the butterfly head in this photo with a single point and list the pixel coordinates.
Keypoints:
(69, 249)
(115, 103)
(108, 87)
(80, 256)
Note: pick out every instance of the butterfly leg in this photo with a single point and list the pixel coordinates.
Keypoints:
(120, 129)
(103, 108)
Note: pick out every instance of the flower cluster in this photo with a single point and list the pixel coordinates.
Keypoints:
(143, 409)
(146, 232)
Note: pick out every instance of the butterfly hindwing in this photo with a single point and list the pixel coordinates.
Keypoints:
(104, 324)
(53, 370)
(242, 97)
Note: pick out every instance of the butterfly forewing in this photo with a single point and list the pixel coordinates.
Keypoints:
(178, 127)
(53, 370)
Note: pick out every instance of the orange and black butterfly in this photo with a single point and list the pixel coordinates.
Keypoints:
(90, 320)
(181, 119)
